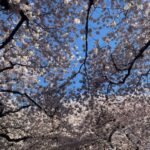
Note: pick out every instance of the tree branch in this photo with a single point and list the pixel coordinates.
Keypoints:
(10, 37)
(12, 65)
(91, 2)
(14, 140)
(111, 134)
(5, 5)
(7, 68)
(28, 97)
(13, 111)
(129, 138)
(130, 65)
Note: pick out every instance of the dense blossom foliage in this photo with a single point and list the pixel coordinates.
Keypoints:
(74, 74)
(95, 123)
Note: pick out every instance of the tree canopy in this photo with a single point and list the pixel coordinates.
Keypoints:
(70, 73)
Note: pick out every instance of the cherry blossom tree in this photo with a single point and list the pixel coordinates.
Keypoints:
(62, 61)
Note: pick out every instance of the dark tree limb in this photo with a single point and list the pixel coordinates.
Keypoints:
(2, 135)
(129, 66)
(28, 97)
(5, 5)
(91, 2)
(10, 37)
(12, 65)
(1, 108)
(13, 111)
(129, 138)
(7, 68)
(111, 134)
(87, 30)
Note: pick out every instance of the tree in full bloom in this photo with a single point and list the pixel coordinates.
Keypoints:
(57, 60)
